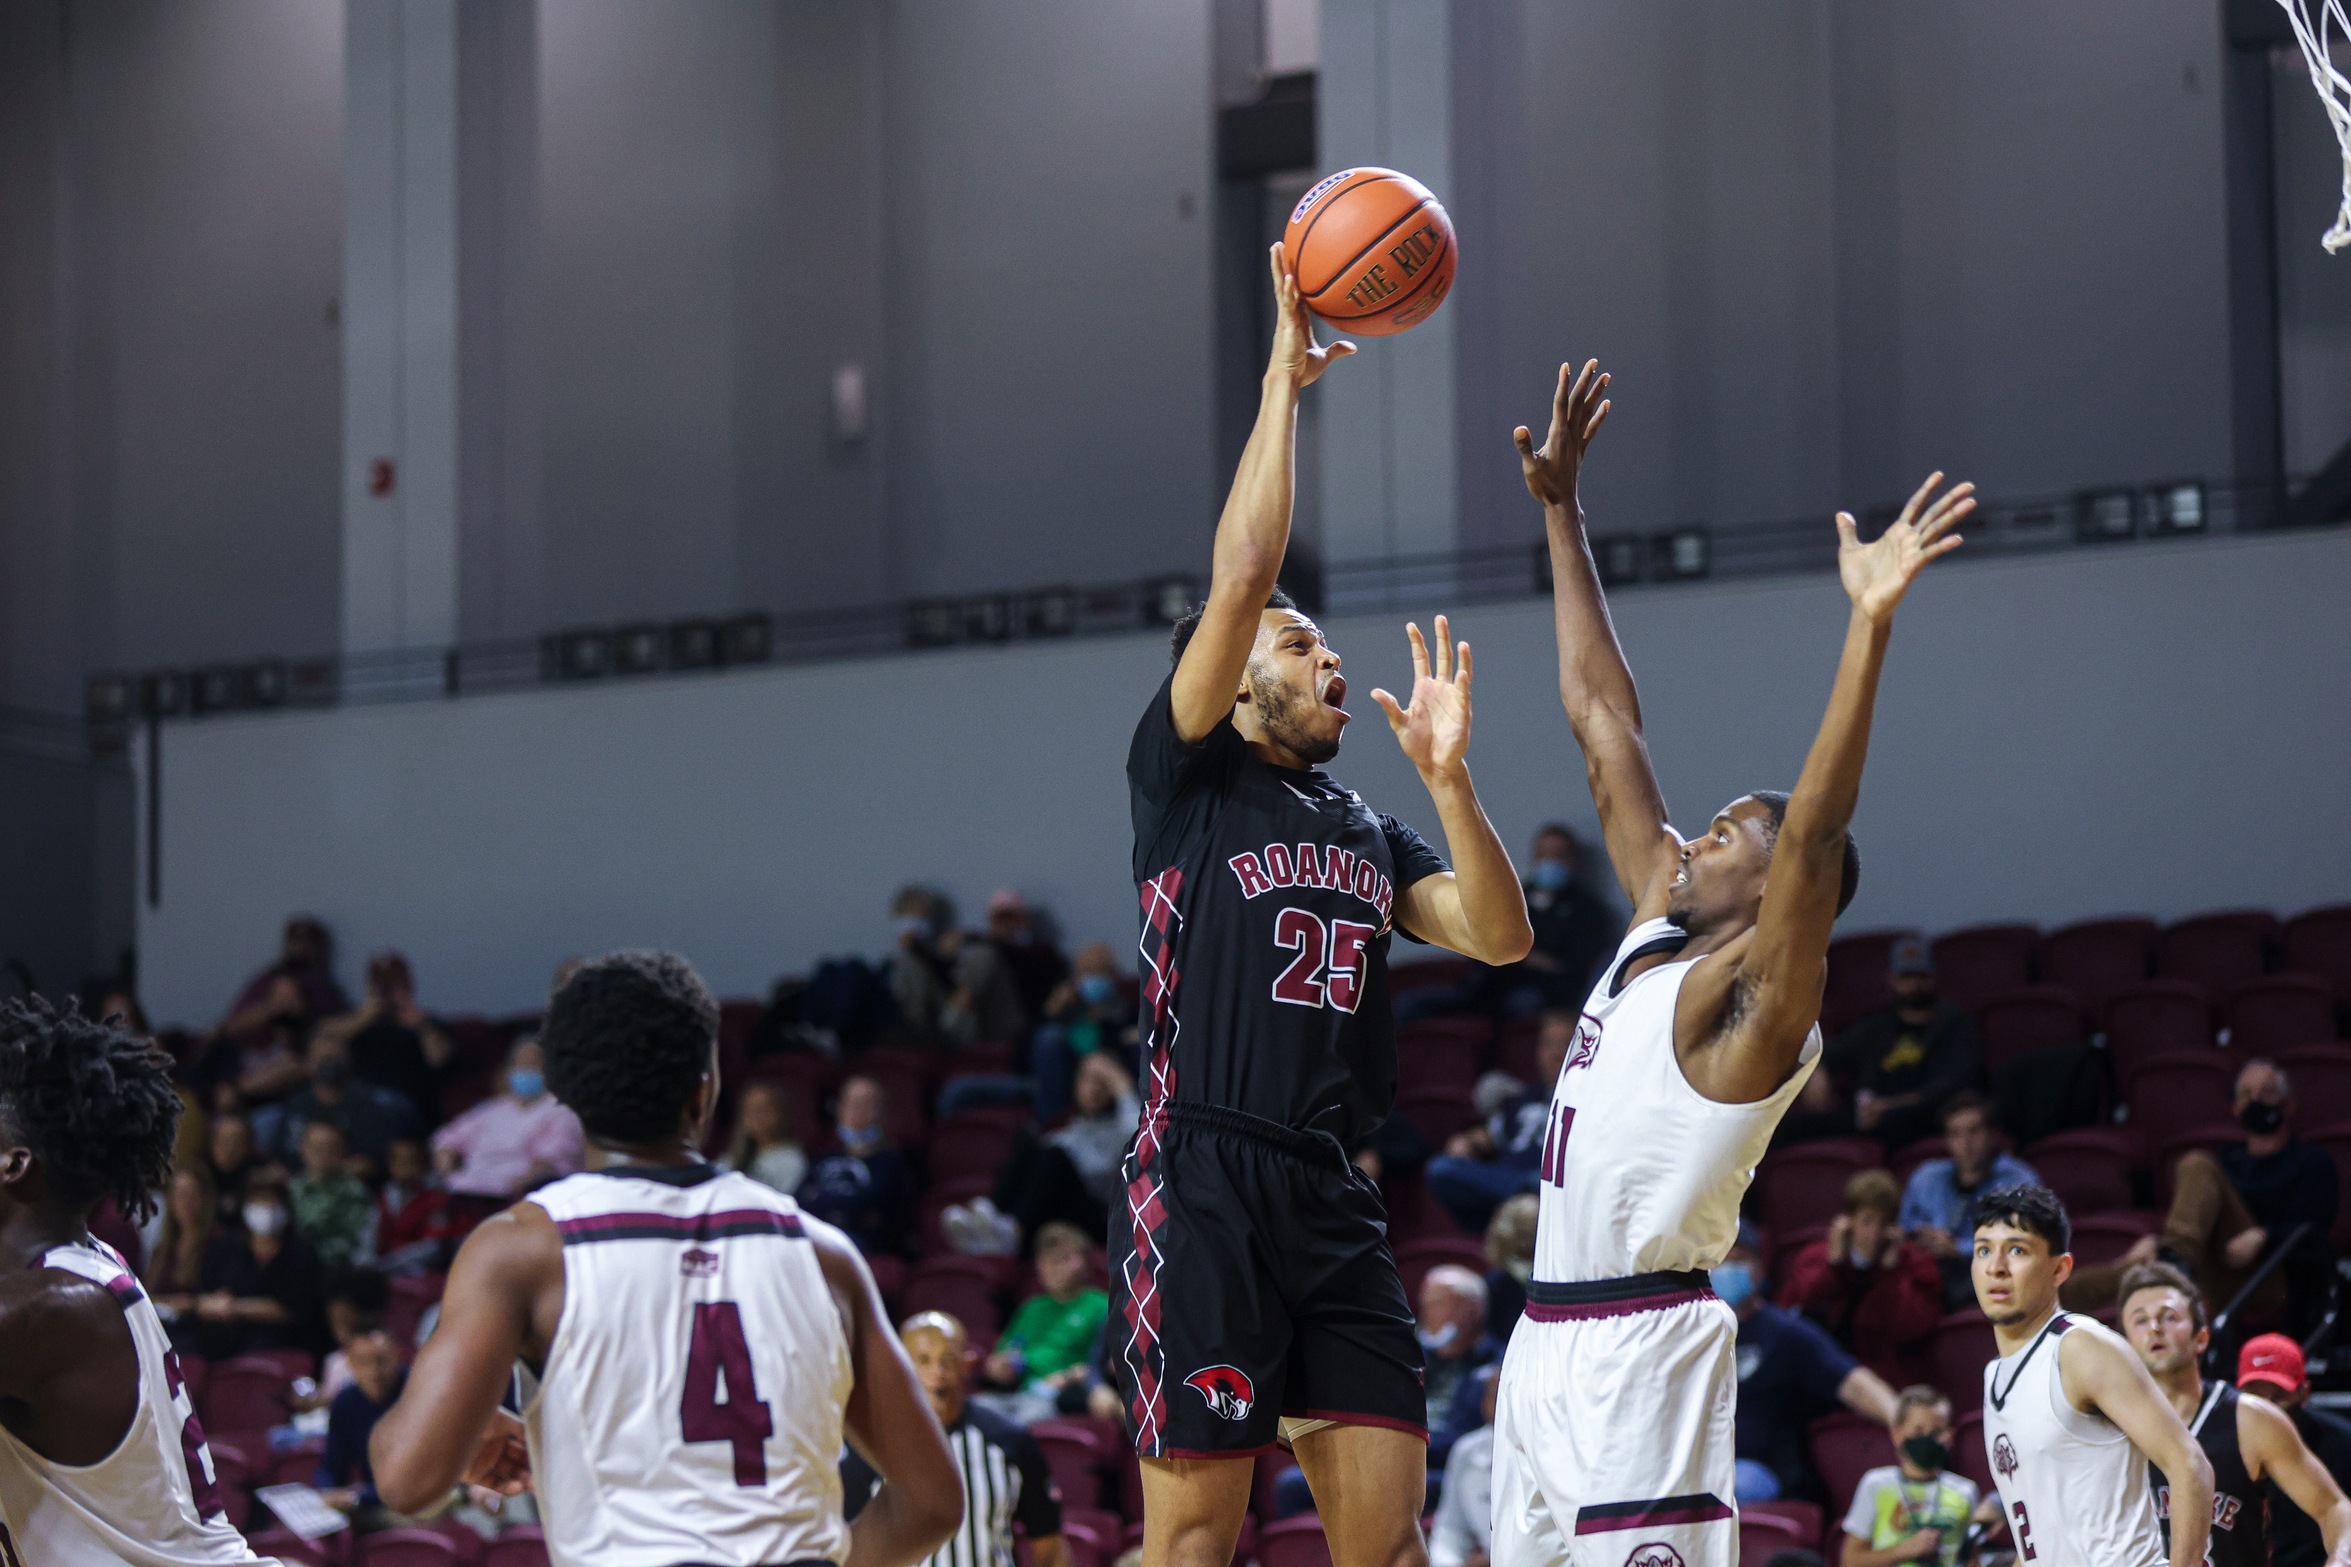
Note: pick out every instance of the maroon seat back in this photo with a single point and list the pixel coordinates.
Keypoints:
(1764, 1535)
(2157, 1018)
(1805, 1184)
(1415, 1258)
(1293, 1542)
(1857, 983)
(407, 1548)
(521, 1546)
(966, 1146)
(2321, 1080)
(1074, 1452)
(1967, 1451)
(2103, 1237)
(1978, 963)
(2095, 958)
(2172, 1094)
(2318, 942)
(2217, 951)
(2038, 1017)
(2279, 1012)
(1846, 1446)
(2089, 1172)
(1436, 1113)
(1963, 1347)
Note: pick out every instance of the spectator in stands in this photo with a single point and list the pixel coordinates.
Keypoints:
(356, 1298)
(1485, 1165)
(1044, 1360)
(412, 1212)
(1938, 1206)
(234, 1159)
(866, 1188)
(763, 1146)
(1915, 1510)
(261, 1288)
(514, 1141)
(921, 971)
(346, 1482)
(191, 1221)
(1878, 1295)
(369, 1117)
(1069, 1175)
(996, 1456)
(1088, 1011)
(1462, 1533)
(1027, 953)
(2270, 1366)
(389, 1043)
(1454, 1344)
(332, 1208)
(1576, 927)
(1911, 1057)
(1510, 1255)
(1790, 1372)
(258, 1046)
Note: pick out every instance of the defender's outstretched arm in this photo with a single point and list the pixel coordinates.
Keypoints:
(1595, 685)
(1254, 532)
(1766, 1003)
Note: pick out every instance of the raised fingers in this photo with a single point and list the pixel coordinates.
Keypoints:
(1919, 496)
(1462, 680)
(1444, 669)
(1955, 504)
(1420, 652)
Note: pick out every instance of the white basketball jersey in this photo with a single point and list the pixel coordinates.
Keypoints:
(2076, 1490)
(1642, 1173)
(153, 1501)
(691, 1407)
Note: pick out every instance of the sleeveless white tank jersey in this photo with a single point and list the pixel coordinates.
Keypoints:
(1641, 1173)
(154, 1501)
(691, 1405)
(2075, 1489)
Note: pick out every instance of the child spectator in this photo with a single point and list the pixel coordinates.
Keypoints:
(1048, 1349)
(412, 1212)
(345, 1480)
(763, 1146)
(332, 1209)
(1915, 1510)
(1876, 1293)
(356, 1298)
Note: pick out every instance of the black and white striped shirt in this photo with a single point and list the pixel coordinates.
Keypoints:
(1005, 1481)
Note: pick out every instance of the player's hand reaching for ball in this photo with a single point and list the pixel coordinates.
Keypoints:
(1878, 573)
(1434, 729)
(1296, 356)
(1578, 410)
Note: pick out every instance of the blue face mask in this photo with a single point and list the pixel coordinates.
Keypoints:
(524, 1083)
(1733, 1282)
(1551, 875)
(914, 925)
(860, 1140)
(1096, 989)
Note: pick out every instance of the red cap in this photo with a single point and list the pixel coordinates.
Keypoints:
(2272, 1358)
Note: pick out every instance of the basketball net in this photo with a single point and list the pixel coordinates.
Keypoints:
(2334, 89)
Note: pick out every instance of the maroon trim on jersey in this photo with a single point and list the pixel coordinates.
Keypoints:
(1145, 1211)
(730, 1225)
(1588, 1311)
(1349, 1417)
(1662, 1512)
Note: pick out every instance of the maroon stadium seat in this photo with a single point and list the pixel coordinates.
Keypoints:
(1436, 1113)
(285, 1545)
(297, 1465)
(2089, 1168)
(1442, 973)
(1963, 1347)
(1846, 1446)
(1782, 1248)
(1805, 1184)
(2158, 1018)
(968, 1145)
(1414, 1259)
(1083, 1538)
(1270, 1469)
(1857, 977)
(1911, 1155)
(2038, 1017)
(2321, 1079)
(935, 1200)
(2171, 1094)
(408, 1297)
(2103, 1237)
(1413, 1210)
(2336, 1140)
(1293, 1542)
(246, 1398)
(1439, 1064)
(407, 1548)
(1764, 1535)
(2318, 942)
(1075, 1453)
(1806, 1516)
(889, 1279)
(1967, 1450)
(962, 1297)
(2279, 1012)
(1978, 963)
(2096, 958)
(2218, 951)
(1518, 1053)
(520, 1546)
(2211, 1137)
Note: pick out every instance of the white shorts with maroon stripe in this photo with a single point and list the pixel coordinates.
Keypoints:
(1613, 1431)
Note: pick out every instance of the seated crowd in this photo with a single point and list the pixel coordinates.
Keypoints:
(960, 1108)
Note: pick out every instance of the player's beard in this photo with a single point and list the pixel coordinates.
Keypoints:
(1282, 713)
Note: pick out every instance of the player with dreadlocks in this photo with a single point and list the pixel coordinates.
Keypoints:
(101, 1457)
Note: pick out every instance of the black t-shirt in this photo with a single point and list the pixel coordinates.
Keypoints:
(2294, 1538)
(2240, 1503)
(1268, 899)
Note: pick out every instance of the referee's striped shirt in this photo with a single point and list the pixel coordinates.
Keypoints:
(1005, 1481)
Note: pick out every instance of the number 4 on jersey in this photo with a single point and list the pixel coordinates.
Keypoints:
(740, 1418)
(1328, 968)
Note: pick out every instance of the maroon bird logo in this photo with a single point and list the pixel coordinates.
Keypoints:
(1654, 1554)
(1228, 1392)
(2004, 1456)
(1587, 1043)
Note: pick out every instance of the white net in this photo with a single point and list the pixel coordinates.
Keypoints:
(2317, 26)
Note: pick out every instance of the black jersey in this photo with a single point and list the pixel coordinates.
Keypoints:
(2240, 1503)
(1268, 902)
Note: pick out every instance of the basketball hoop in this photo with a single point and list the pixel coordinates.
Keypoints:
(2334, 88)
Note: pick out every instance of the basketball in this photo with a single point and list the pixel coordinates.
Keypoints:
(1373, 251)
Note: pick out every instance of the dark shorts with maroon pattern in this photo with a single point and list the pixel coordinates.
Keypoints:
(1250, 1279)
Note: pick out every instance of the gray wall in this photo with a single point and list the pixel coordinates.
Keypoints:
(2058, 737)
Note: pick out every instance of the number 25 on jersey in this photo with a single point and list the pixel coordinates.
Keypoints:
(1327, 969)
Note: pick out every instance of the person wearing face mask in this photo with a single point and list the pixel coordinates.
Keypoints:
(1880, 1295)
(1090, 1010)
(370, 1118)
(1907, 1059)
(1576, 925)
(262, 1287)
(1790, 1372)
(1454, 1346)
(866, 1187)
(921, 975)
(1916, 1510)
(512, 1142)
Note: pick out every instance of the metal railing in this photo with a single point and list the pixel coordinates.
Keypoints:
(2095, 518)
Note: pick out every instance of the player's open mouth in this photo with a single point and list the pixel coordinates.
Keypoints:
(1335, 694)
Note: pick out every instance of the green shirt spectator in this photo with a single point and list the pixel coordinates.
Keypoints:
(331, 1206)
(1050, 1343)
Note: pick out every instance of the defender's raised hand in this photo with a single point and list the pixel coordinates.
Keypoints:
(1434, 730)
(1877, 574)
(1296, 355)
(1577, 411)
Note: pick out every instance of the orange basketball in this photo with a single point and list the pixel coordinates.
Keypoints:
(1373, 251)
